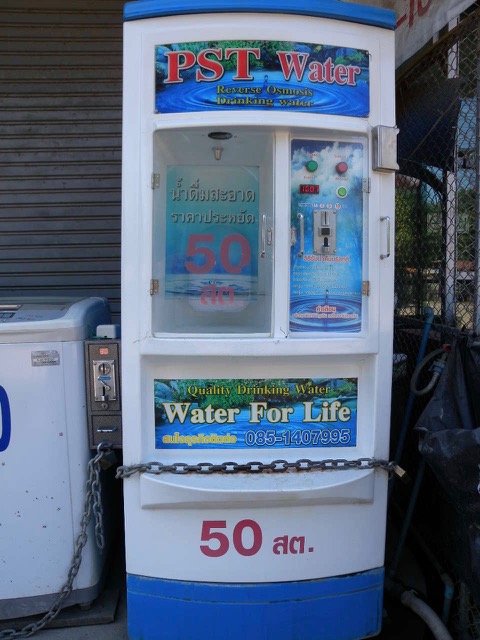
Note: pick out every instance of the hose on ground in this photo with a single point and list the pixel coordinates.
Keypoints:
(427, 614)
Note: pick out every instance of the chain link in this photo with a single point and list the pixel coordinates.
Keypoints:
(92, 505)
(276, 466)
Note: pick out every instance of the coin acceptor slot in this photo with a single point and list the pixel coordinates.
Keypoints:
(324, 231)
(104, 380)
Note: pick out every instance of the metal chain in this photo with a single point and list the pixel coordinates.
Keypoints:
(92, 504)
(276, 466)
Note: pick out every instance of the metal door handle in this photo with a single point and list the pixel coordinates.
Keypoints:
(263, 251)
(386, 255)
(302, 234)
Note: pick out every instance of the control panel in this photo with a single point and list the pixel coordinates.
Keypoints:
(102, 369)
(328, 218)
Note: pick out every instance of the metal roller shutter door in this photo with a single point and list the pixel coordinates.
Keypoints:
(60, 147)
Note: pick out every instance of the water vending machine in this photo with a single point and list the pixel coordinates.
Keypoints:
(257, 308)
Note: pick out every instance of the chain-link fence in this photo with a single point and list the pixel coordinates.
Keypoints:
(437, 202)
(437, 252)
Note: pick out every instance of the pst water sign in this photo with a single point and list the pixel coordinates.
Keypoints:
(263, 75)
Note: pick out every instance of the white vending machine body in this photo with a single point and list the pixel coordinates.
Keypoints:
(257, 316)
(44, 451)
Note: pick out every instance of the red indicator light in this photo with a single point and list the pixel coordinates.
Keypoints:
(342, 167)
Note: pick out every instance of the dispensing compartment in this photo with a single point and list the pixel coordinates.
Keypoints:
(328, 209)
(213, 232)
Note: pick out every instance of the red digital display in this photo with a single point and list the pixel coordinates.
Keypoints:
(310, 188)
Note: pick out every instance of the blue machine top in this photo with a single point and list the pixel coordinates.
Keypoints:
(334, 9)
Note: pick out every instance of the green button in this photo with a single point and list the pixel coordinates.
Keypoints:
(311, 166)
(342, 192)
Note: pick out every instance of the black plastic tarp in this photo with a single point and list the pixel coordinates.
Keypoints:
(449, 430)
(427, 116)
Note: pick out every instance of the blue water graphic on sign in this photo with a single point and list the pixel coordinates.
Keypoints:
(241, 435)
(203, 293)
(337, 313)
(274, 93)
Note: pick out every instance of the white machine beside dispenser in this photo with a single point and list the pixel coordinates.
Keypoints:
(44, 451)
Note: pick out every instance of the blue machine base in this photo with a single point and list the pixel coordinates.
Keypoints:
(342, 608)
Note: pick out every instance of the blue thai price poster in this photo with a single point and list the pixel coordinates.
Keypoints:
(212, 228)
(327, 219)
(265, 75)
(252, 413)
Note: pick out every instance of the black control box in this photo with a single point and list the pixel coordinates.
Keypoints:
(103, 380)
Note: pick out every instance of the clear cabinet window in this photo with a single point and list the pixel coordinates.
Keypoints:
(212, 215)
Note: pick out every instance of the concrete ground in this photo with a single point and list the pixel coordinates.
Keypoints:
(106, 619)
(116, 630)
